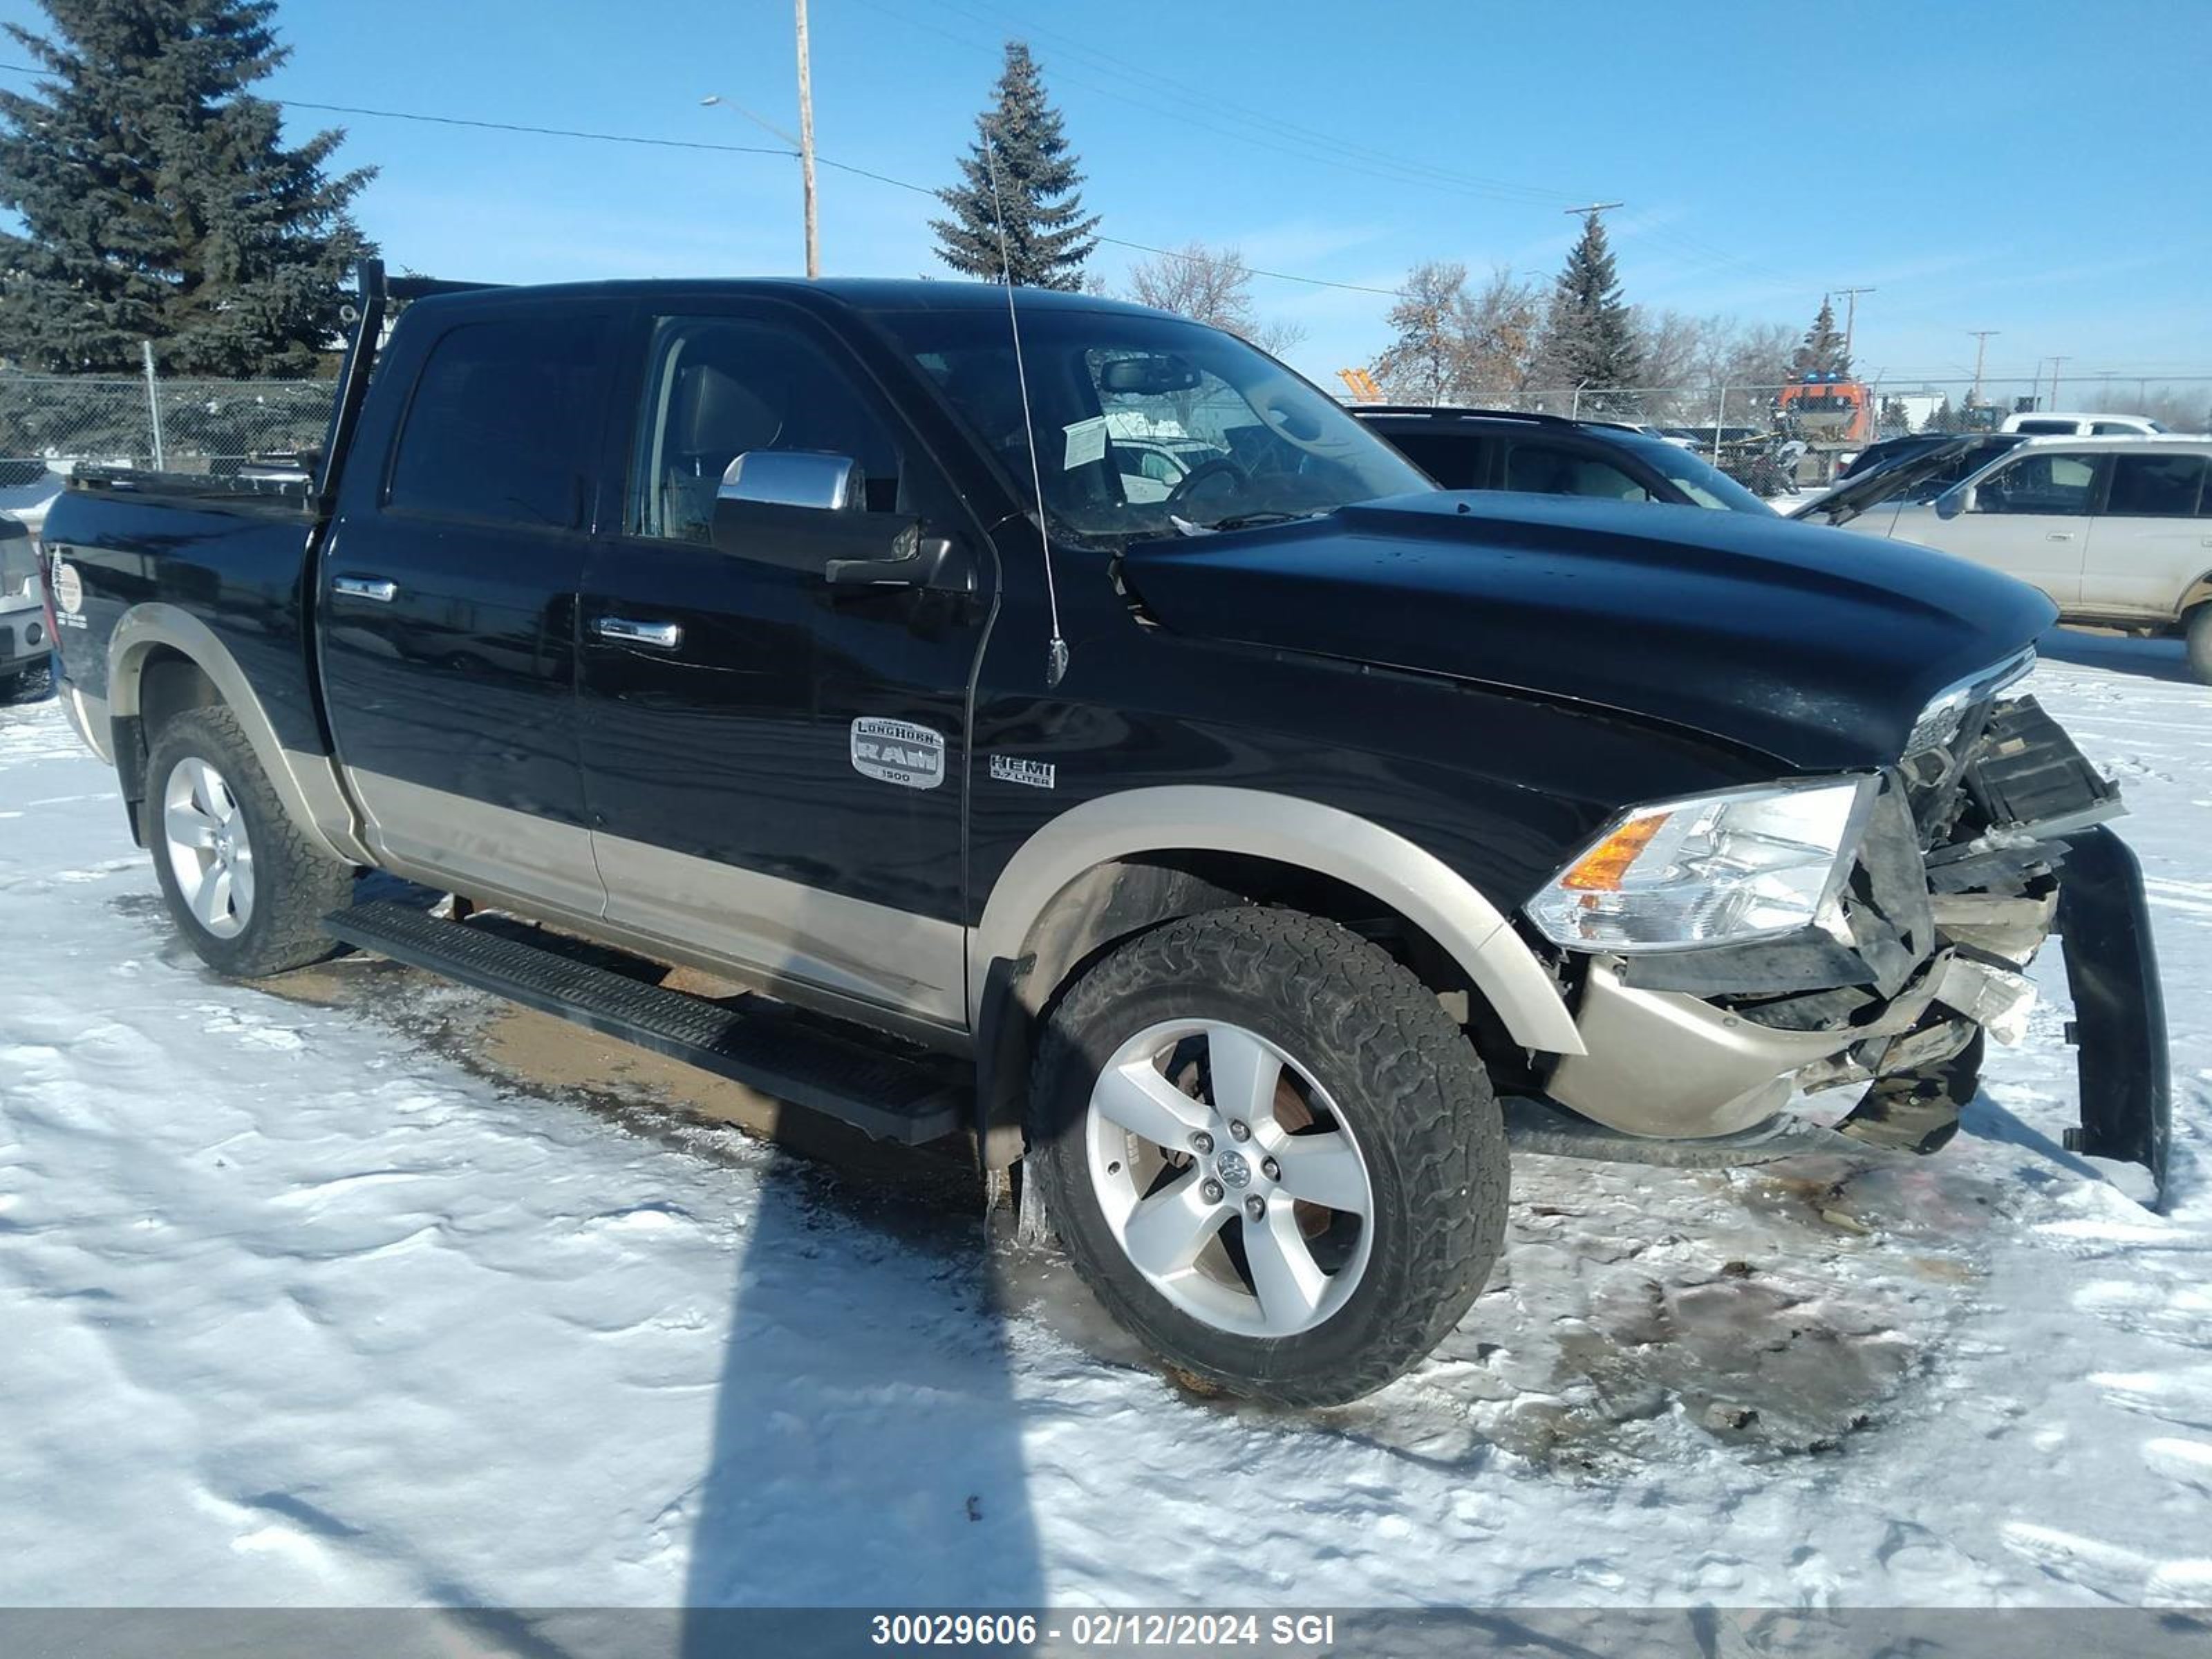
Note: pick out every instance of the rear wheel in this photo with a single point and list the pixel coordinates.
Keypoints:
(1269, 1153)
(246, 889)
(2199, 633)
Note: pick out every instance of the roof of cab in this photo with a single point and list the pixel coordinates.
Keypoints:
(864, 294)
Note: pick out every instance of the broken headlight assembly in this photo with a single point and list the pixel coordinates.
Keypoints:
(1721, 869)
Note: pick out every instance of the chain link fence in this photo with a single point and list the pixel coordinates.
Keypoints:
(1862, 411)
(55, 422)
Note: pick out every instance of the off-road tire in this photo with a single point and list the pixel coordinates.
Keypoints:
(2199, 634)
(296, 883)
(1406, 1083)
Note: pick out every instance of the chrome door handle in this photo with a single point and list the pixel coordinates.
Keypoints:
(661, 636)
(366, 587)
(2059, 536)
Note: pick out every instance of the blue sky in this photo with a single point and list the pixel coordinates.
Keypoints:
(2033, 168)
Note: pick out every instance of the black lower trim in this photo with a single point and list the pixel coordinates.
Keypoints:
(2119, 1010)
(893, 1095)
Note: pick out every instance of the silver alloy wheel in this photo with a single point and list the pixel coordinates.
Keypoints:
(1229, 1179)
(210, 854)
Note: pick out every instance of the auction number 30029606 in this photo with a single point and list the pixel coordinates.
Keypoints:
(1275, 1632)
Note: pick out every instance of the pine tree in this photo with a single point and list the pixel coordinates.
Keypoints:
(1047, 236)
(159, 200)
(1822, 351)
(1589, 334)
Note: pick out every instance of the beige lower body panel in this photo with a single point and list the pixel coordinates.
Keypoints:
(1667, 1065)
(759, 928)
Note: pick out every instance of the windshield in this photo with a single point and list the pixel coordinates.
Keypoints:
(1705, 485)
(1150, 426)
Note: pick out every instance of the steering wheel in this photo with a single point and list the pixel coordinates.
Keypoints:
(1219, 467)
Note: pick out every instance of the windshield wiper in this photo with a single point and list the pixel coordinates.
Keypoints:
(1252, 520)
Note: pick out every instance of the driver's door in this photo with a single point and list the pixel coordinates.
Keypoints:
(2028, 517)
(733, 704)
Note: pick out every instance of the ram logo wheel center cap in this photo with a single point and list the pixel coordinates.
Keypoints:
(1233, 1169)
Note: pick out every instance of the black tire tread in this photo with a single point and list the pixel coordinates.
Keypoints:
(2198, 633)
(296, 883)
(1421, 1079)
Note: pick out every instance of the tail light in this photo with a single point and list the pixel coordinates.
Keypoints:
(46, 596)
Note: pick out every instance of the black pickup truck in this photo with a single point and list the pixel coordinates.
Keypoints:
(1219, 849)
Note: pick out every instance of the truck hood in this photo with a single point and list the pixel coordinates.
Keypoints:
(1818, 648)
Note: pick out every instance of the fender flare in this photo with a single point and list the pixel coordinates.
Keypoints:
(1288, 830)
(306, 784)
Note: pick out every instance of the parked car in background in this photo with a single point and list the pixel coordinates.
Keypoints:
(26, 633)
(1919, 474)
(27, 489)
(1889, 450)
(2040, 425)
(2116, 530)
(1550, 455)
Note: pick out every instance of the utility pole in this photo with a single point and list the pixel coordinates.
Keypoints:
(806, 146)
(2055, 361)
(1981, 348)
(1851, 315)
(1590, 211)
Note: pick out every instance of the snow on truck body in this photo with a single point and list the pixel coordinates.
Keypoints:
(1649, 815)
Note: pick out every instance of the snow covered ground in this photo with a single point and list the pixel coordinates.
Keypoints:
(362, 1288)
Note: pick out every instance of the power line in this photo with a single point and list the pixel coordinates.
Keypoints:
(516, 126)
(1215, 105)
(764, 149)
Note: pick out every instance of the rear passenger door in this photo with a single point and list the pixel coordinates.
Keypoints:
(2152, 538)
(447, 594)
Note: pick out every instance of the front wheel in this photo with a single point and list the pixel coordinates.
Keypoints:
(246, 889)
(1269, 1153)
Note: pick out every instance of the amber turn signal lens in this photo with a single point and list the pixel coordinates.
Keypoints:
(1601, 869)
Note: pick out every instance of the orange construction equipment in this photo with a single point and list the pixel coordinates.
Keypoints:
(1828, 412)
(1361, 385)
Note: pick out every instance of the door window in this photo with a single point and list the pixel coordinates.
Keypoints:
(502, 421)
(1454, 460)
(2156, 486)
(719, 387)
(2051, 484)
(1544, 469)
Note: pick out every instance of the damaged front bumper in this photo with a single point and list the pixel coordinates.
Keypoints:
(1969, 863)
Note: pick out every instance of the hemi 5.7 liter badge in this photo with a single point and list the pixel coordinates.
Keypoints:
(892, 751)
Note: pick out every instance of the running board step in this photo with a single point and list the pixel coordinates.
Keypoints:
(909, 1097)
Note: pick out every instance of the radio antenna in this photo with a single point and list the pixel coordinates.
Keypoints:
(1055, 661)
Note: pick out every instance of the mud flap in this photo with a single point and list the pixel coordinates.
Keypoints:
(2119, 1012)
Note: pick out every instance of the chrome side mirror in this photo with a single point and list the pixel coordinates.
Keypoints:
(796, 477)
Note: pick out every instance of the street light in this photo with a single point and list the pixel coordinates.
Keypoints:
(802, 145)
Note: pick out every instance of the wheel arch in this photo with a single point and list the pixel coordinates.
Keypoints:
(1117, 865)
(162, 661)
(2197, 593)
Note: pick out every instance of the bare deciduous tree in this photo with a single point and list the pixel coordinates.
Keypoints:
(1426, 360)
(1452, 345)
(1211, 286)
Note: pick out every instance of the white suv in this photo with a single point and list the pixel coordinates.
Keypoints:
(2116, 531)
(2084, 426)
